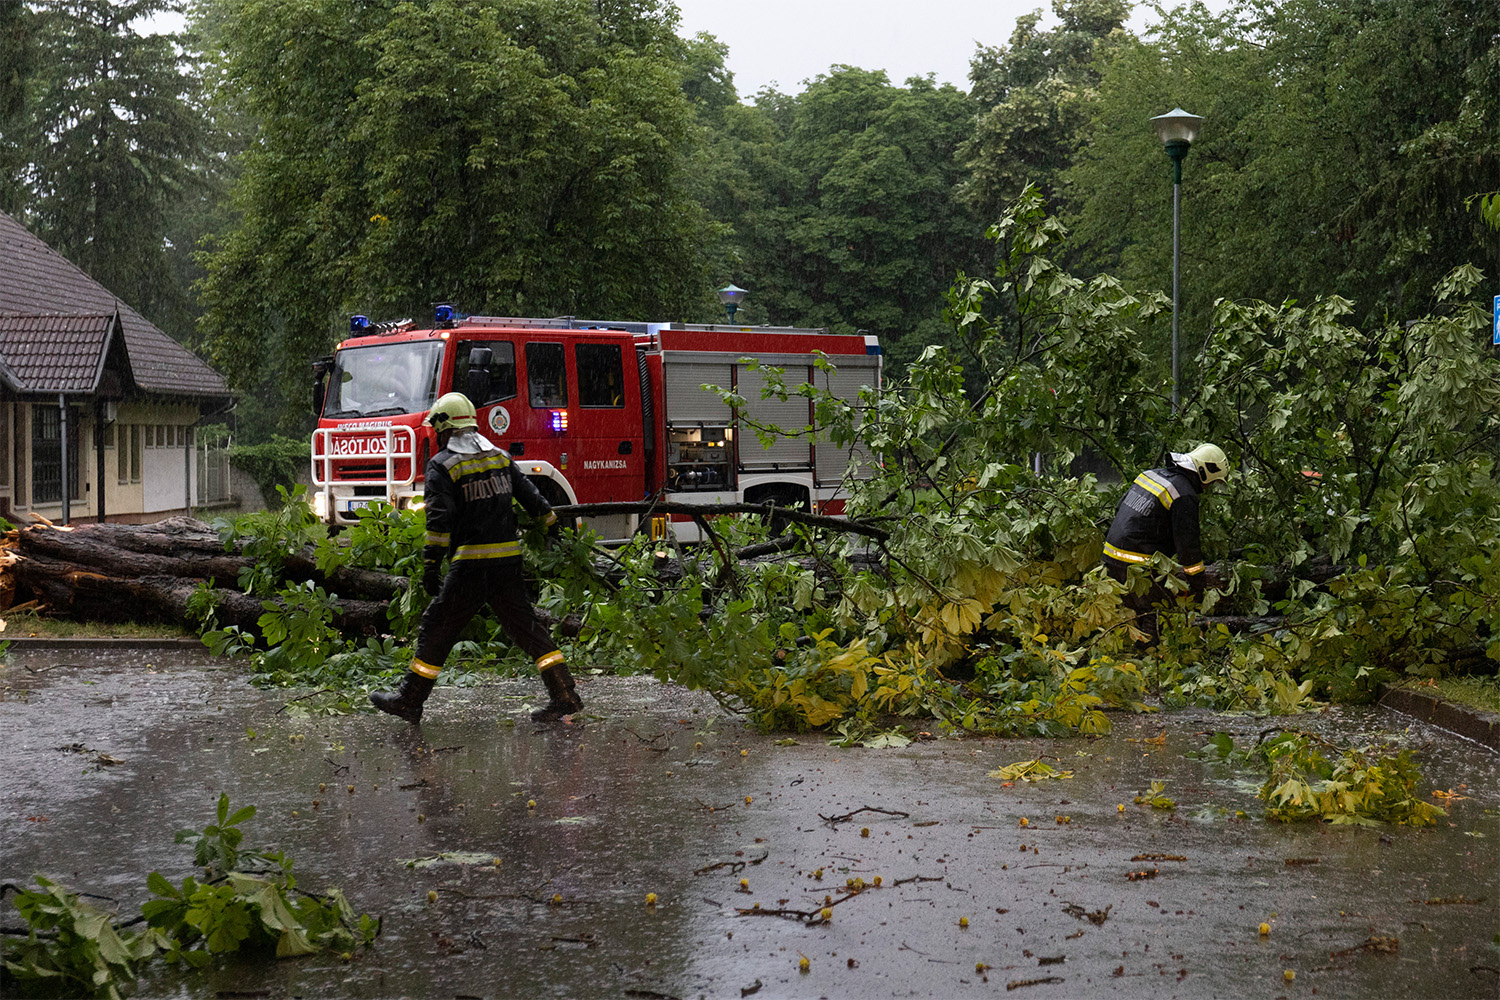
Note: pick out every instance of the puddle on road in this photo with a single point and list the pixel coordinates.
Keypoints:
(629, 803)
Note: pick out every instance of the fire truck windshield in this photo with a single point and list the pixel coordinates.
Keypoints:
(384, 380)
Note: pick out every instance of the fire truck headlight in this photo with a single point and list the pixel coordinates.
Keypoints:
(320, 504)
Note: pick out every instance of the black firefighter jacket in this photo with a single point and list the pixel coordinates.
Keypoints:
(470, 514)
(1159, 513)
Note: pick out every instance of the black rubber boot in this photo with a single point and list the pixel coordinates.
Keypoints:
(564, 701)
(406, 701)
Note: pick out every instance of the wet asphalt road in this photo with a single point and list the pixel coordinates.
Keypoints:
(657, 790)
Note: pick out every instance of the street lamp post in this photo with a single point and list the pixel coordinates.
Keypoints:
(730, 297)
(1177, 129)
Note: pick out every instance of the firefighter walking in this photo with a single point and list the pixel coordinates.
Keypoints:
(471, 490)
(1159, 513)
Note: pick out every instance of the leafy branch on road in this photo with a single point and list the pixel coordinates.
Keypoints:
(247, 901)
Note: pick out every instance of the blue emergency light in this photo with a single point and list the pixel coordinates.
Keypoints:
(358, 324)
(559, 420)
(444, 315)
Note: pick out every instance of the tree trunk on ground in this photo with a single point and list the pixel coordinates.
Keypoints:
(657, 508)
(85, 592)
(184, 547)
(147, 572)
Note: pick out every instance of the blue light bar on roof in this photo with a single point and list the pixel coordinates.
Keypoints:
(358, 324)
(443, 315)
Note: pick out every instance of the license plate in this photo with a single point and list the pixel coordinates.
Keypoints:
(350, 506)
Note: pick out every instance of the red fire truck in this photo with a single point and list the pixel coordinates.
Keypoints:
(593, 412)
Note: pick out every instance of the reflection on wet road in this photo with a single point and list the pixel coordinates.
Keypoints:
(543, 842)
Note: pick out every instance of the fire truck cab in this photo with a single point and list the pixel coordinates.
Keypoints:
(591, 411)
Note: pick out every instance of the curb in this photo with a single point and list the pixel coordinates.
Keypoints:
(21, 644)
(1471, 723)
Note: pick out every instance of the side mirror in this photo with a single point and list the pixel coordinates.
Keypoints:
(321, 367)
(477, 384)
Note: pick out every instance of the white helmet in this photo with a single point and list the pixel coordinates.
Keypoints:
(1208, 460)
(451, 412)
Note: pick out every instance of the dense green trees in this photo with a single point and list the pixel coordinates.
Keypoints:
(106, 136)
(1036, 97)
(1341, 143)
(579, 156)
(511, 157)
(841, 200)
(16, 54)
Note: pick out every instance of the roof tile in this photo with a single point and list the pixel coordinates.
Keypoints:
(54, 353)
(36, 280)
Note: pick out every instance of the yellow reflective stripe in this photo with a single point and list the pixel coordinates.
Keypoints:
(423, 669)
(471, 466)
(439, 538)
(1114, 552)
(1193, 570)
(548, 661)
(488, 550)
(1159, 488)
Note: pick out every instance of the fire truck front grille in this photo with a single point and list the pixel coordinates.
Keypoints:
(346, 472)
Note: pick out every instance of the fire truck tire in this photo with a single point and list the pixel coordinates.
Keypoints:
(550, 491)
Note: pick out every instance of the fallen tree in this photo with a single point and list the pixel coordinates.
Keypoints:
(701, 512)
(149, 572)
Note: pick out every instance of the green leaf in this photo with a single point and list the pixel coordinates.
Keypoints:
(240, 816)
(158, 884)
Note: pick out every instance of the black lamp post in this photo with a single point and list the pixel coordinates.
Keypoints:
(731, 296)
(1177, 129)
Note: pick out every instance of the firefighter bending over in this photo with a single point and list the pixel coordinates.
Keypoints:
(1159, 513)
(470, 517)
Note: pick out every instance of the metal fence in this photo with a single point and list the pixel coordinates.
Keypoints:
(213, 485)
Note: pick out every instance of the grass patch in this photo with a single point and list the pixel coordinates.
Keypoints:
(1475, 692)
(27, 624)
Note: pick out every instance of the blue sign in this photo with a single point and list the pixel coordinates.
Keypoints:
(1497, 319)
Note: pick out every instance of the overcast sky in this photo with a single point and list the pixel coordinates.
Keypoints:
(783, 43)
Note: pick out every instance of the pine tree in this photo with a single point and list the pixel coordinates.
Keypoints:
(16, 62)
(112, 142)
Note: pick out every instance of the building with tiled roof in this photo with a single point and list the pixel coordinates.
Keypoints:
(90, 385)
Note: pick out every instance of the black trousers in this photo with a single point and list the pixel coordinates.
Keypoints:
(1156, 597)
(469, 585)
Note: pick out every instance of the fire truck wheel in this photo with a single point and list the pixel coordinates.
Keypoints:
(550, 491)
